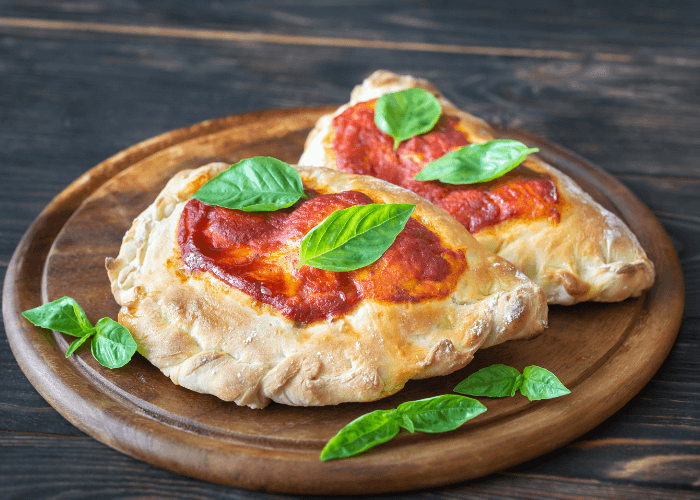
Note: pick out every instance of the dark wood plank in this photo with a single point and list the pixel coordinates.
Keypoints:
(565, 25)
(45, 465)
(626, 117)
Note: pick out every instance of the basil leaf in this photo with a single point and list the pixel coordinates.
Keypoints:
(362, 434)
(540, 383)
(495, 381)
(63, 315)
(255, 184)
(406, 113)
(113, 346)
(407, 423)
(77, 343)
(440, 413)
(476, 162)
(353, 237)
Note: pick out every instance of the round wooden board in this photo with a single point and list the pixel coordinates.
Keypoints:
(604, 353)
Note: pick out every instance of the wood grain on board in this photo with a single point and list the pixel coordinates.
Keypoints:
(605, 353)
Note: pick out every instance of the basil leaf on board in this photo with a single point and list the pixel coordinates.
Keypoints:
(496, 381)
(441, 413)
(362, 434)
(112, 346)
(63, 315)
(85, 324)
(407, 423)
(76, 344)
(255, 184)
(476, 162)
(406, 113)
(438, 414)
(353, 237)
(540, 383)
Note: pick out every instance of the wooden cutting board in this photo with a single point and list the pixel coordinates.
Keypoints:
(605, 353)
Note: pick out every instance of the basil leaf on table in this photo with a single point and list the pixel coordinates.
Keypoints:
(406, 113)
(362, 434)
(539, 383)
(255, 184)
(439, 414)
(495, 381)
(112, 344)
(476, 162)
(500, 380)
(353, 237)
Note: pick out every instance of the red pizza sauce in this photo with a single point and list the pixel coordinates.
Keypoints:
(361, 148)
(256, 252)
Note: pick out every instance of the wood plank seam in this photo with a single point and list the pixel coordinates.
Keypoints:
(599, 443)
(271, 38)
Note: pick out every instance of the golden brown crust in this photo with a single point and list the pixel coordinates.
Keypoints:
(589, 255)
(212, 338)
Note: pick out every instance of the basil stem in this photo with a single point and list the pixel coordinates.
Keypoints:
(255, 184)
(406, 113)
(353, 237)
(112, 345)
(476, 162)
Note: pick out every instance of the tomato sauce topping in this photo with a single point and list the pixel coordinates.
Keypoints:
(362, 148)
(256, 252)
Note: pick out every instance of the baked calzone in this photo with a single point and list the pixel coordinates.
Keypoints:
(216, 299)
(535, 216)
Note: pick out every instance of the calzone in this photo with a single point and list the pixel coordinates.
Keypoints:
(535, 216)
(216, 299)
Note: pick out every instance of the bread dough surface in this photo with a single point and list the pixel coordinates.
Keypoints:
(212, 338)
(590, 254)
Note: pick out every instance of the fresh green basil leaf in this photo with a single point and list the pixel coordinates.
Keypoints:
(441, 413)
(82, 318)
(362, 434)
(63, 315)
(540, 383)
(438, 414)
(476, 162)
(76, 344)
(517, 385)
(255, 184)
(113, 346)
(407, 423)
(353, 237)
(406, 113)
(496, 381)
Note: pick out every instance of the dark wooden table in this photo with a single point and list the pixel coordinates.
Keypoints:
(615, 82)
